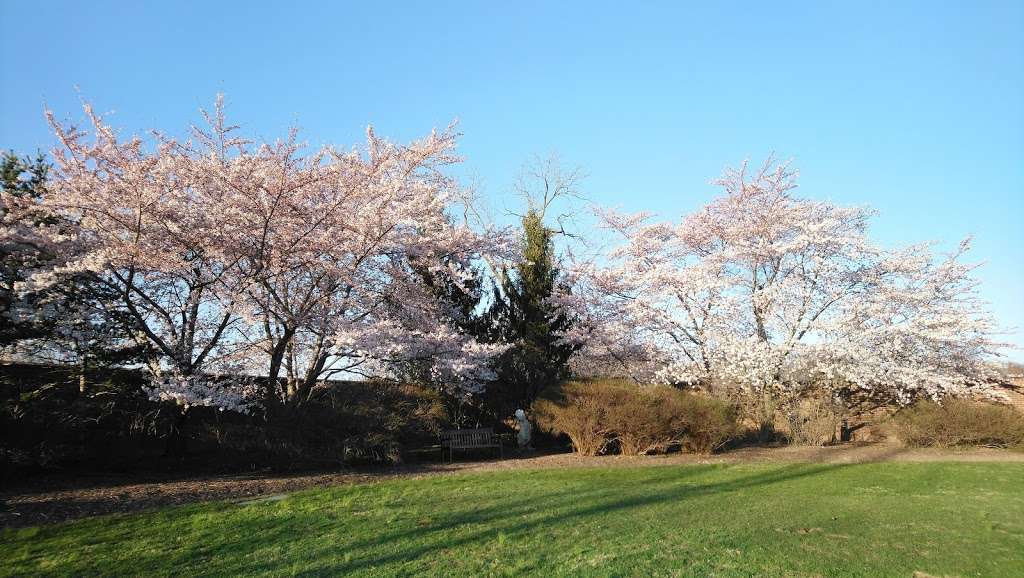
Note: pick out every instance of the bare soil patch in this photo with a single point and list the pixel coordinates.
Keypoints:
(57, 499)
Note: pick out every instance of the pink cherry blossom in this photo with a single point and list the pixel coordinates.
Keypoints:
(267, 255)
(762, 290)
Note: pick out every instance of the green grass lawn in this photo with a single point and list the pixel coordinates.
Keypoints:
(889, 519)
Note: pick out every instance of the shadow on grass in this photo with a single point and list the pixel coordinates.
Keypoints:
(505, 519)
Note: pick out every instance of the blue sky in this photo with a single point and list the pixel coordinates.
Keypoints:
(914, 108)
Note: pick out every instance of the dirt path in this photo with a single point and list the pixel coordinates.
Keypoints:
(43, 501)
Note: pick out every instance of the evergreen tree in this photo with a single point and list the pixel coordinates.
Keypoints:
(21, 180)
(523, 316)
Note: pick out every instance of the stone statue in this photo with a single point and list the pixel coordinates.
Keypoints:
(525, 430)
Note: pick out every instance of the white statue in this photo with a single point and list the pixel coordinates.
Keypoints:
(523, 437)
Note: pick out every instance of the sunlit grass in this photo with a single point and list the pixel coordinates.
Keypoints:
(743, 520)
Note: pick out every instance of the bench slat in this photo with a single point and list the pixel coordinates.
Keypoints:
(470, 439)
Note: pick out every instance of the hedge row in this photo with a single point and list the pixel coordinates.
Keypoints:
(609, 416)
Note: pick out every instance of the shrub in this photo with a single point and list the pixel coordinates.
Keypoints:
(46, 423)
(814, 421)
(760, 410)
(358, 422)
(580, 411)
(960, 422)
(710, 423)
(648, 419)
(599, 416)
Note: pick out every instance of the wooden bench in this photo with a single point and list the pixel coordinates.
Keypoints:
(468, 439)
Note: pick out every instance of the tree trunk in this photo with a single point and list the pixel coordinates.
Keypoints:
(309, 380)
(276, 362)
(83, 367)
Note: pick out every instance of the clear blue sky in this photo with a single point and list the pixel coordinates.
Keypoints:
(915, 108)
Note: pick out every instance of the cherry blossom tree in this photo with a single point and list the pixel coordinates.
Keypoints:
(67, 323)
(220, 247)
(762, 294)
(371, 309)
(342, 242)
(158, 234)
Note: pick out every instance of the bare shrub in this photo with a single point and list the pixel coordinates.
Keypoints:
(710, 423)
(960, 422)
(760, 410)
(579, 410)
(599, 416)
(814, 421)
(650, 419)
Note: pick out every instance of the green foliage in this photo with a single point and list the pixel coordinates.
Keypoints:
(24, 178)
(605, 415)
(523, 316)
(960, 422)
(890, 519)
